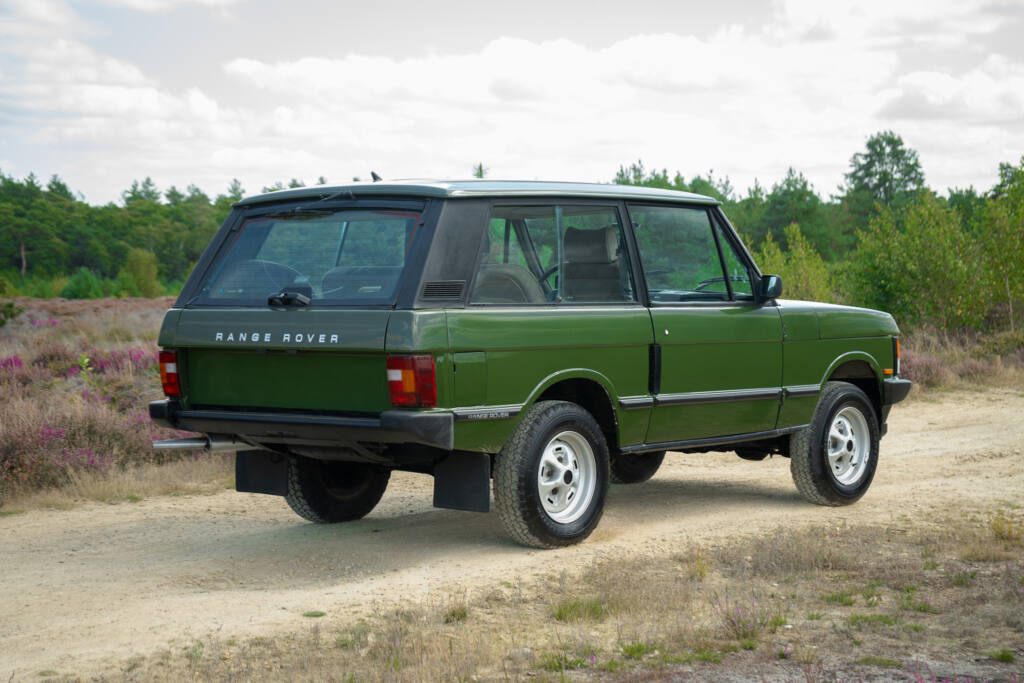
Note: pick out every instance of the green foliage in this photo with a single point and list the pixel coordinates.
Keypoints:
(927, 273)
(140, 270)
(83, 285)
(8, 311)
(804, 274)
(48, 231)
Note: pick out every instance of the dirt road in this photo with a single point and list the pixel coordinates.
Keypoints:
(84, 589)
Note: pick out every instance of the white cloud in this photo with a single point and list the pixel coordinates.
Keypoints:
(805, 91)
(164, 5)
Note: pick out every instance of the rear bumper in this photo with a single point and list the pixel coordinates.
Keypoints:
(390, 426)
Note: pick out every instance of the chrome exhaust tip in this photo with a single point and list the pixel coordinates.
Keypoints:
(199, 443)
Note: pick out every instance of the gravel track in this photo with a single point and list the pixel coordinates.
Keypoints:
(86, 588)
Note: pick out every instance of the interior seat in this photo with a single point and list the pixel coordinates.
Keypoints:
(592, 270)
(506, 283)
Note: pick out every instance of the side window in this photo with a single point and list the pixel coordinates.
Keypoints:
(680, 254)
(553, 254)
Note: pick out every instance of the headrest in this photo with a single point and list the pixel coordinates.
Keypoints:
(591, 246)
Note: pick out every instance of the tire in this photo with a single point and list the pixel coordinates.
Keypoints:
(326, 491)
(634, 469)
(551, 476)
(833, 460)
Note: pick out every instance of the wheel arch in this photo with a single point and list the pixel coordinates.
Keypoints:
(586, 388)
(863, 371)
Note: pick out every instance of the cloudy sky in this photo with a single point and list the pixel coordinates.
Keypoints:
(102, 92)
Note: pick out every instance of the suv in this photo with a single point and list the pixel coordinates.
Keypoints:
(553, 337)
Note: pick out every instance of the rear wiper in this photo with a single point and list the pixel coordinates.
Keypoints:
(347, 194)
(288, 298)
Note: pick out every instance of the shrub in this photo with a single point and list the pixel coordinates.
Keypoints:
(924, 369)
(8, 311)
(804, 274)
(140, 269)
(84, 284)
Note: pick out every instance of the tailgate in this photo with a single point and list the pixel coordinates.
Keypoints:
(307, 360)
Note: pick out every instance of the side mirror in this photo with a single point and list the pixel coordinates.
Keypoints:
(771, 287)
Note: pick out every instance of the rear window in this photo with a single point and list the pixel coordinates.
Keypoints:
(354, 256)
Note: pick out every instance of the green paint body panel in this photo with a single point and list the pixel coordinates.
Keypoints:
(530, 349)
(716, 349)
(307, 380)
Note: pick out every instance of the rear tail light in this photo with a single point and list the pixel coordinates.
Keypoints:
(896, 356)
(412, 382)
(169, 373)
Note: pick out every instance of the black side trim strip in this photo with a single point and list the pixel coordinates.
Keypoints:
(712, 441)
(717, 396)
(488, 413)
(798, 391)
(636, 402)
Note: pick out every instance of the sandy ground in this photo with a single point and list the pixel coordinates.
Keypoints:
(82, 590)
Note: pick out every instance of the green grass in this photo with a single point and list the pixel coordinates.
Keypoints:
(314, 613)
(880, 661)
(844, 598)
(10, 513)
(873, 619)
(1003, 655)
(636, 649)
(456, 614)
(578, 610)
(561, 662)
(814, 616)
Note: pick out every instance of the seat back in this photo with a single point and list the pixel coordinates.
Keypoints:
(506, 283)
(592, 269)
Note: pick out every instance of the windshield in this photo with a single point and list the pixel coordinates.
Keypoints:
(353, 256)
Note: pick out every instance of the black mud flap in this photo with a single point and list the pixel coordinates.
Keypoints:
(462, 481)
(261, 472)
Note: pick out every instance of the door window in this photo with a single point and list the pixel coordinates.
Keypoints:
(683, 256)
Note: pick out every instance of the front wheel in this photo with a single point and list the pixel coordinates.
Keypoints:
(833, 460)
(551, 476)
(327, 491)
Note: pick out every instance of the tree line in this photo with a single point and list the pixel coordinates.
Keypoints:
(884, 239)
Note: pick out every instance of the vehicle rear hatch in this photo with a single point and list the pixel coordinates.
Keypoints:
(291, 313)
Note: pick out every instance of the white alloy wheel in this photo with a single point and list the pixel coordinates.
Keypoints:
(567, 477)
(848, 446)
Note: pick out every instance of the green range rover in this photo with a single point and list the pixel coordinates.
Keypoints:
(551, 337)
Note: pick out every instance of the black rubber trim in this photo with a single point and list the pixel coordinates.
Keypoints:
(711, 441)
(698, 397)
(895, 390)
(390, 426)
(636, 402)
(802, 390)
